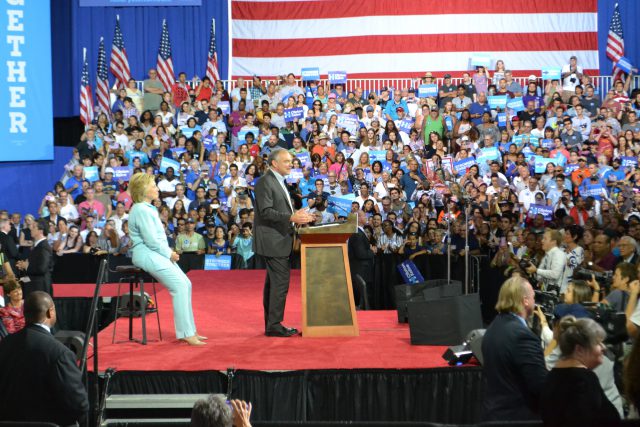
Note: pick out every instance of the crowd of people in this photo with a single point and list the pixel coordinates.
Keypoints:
(543, 177)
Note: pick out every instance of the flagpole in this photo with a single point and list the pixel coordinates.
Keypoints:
(230, 36)
(84, 55)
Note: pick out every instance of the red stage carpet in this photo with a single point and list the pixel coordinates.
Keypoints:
(228, 309)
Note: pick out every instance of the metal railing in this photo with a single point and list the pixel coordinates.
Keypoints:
(602, 84)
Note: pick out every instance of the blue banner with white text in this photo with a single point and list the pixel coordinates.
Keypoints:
(26, 103)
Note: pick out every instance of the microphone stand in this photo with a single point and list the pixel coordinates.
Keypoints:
(467, 207)
(448, 243)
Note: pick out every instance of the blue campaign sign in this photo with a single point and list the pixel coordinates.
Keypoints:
(425, 91)
(310, 74)
(595, 191)
(169, 163)
(341, 205)
(121, 3)
(177, 151)
(628, 162)
(379, 155)
(551, 73)
(350, 122)
(121, 173)
(570, 167)
(26, 101)
(533, 140)
(625, 64)
(480, 59)
(225, 107)
(305, 158)
(219, 262)
(502, 119)
(448, 121)
(547, 143)
(540, 163)
(294, 176)
(293, 114)
(91, 173)
(517, 139)
(461, 166)
(406, 125)
(410, 273)
(561, 160)
(545, 211)
(336, 77)
(515, 104)
(491, 153)
(497, 101)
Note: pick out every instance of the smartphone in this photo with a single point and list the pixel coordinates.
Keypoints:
(503, 242)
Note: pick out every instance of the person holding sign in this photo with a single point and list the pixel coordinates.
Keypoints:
(274, 219)
(152, 254)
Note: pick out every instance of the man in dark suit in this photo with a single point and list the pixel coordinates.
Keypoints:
(39, 379)
(273, 225)
(361, 255)
(514, 369)
(7, 243)
(39, 265)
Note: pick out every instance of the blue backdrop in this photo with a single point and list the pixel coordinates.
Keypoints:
(75, 27)
(26, 121)
(630, 11)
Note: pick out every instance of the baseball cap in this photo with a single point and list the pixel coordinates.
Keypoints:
(532, 78)
(323, 136)
(108, 170)
(399, 109)
(447, 76)
(434, 108)
(370, 108)
(332, 96)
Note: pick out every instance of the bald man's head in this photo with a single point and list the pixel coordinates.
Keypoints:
(39, 308)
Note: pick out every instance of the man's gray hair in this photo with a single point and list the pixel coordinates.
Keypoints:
(212, 412)
(273, 155)
(630, 240)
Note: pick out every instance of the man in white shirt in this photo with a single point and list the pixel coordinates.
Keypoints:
(67, 210)
(528, 196)
(581, 123)
(571, 75)
(167, 185)
(180, 195)
(235, 95)
(551, 268)
(290, 88)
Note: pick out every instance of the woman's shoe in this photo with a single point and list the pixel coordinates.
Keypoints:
(202, 338)
(193, 340)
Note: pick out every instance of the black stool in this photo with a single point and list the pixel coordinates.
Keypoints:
(136, 304)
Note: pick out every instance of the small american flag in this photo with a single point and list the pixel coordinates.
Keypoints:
(86, 100)
(165, 63)
(102, 85)
(212, 61)
(119, 62)
(615, 43)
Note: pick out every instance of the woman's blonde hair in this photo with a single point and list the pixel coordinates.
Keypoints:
(138, 186)
(512, 293)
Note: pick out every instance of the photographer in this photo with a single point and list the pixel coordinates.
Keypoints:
(618, 298)
(551, 269)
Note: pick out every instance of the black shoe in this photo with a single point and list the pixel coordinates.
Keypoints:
(282, 332)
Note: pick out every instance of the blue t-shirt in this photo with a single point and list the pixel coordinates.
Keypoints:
(477, 108)
(70, 183)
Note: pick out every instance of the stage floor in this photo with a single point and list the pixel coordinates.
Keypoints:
(228, 309)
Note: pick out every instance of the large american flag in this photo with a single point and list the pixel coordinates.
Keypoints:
(212, 56)
(119, 62)
(86, 100)
(615, 43)
(102, 83)
(165, 63)
(397, 38)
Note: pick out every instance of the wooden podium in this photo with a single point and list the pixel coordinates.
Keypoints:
(328, 308)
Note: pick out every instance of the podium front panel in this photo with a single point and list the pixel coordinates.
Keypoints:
(327, 287)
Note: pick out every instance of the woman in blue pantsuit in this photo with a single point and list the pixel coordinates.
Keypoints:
(152, 254)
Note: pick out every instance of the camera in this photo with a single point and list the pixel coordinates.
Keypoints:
(524, 263)
(547, 302)
(605, 278)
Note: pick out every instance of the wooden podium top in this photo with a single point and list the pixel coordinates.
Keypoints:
(349, 226)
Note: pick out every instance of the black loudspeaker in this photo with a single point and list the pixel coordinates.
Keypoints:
(445, 321)
(406, 293)
(474, 342)
(446, 290)
(73, 340)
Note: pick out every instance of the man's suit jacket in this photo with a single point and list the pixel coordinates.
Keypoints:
(273, 232)
(9, 248)
(361, 256)
(513, 369)
(40, 268)
(39, 379)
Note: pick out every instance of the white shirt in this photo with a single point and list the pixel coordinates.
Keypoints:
(168, 186)
(69, 212)
(527, 197)
(567, 84)
(551, 269)
(185, 201)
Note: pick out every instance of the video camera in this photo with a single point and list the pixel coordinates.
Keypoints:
(604, 278)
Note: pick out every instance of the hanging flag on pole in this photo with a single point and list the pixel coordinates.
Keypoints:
(615, 43)
(102, 83)
(165, 63)
(212, 61)
(86, 100)
(119, 62)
